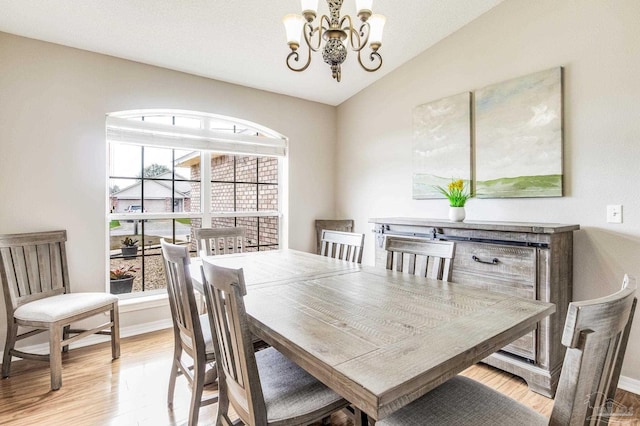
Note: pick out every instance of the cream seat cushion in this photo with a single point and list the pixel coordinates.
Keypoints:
(56, 308)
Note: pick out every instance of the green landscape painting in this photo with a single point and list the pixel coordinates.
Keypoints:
(518, 146)
(441, 144)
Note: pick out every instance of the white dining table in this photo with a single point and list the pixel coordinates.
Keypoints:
(379, 338)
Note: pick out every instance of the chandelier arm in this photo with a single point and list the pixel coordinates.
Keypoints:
(324, 20)
(355, 41)
(363, 36)
(296, 57)
(310, 33)
(373, 56)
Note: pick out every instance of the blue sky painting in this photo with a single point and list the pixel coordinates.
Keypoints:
(518, 139)
(441, 144)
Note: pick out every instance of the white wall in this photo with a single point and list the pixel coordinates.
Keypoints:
(53, 102)
(598, 44)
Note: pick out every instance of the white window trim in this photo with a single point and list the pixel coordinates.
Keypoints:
(203, 139)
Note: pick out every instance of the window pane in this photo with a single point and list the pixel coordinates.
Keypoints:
(220, 125)
(164, 196)
(154, 230)
(187, 165)
(123, 193)
(194, 123)
(268, 230)
(246, 169)
(125, 160)
(154, 277)
(246, 197)
(267, 170)
(222, 197)
(162, 119)
(158, 162)
(251, 233)
(223, 222)
(123, 264)
(268, 197)
(222, 168)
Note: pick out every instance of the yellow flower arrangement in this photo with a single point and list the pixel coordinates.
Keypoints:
(455, 192)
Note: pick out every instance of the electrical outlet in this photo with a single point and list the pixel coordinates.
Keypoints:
(614, 213)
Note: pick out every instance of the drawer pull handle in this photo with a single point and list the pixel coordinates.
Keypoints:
(494, 261)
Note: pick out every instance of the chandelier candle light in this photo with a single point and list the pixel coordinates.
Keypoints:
(334, 30)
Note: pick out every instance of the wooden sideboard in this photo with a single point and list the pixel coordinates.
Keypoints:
(533, 260)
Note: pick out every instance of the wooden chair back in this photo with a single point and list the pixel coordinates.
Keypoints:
(182, 301)
(214, 241)
(343, 225)
(595, 334)
(34, 266)
(426, 258)
(342, 245)
(237, 369)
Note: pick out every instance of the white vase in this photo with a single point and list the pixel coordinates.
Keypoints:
(456, 214)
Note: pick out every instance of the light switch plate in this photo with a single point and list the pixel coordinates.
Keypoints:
(614, 213)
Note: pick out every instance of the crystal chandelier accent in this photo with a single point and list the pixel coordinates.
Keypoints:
(336, 32)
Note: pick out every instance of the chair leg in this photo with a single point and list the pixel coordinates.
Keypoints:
(55, 356)
(9, 344)
(173, 375)
(223, 404)
(115, 331)
(196, 393)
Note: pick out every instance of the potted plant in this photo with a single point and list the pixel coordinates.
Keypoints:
(129, 247)
(457, 196)
(121, 279)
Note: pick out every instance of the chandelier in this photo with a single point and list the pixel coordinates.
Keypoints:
(335, 31)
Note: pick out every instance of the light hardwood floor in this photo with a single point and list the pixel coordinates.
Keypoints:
(133, 389)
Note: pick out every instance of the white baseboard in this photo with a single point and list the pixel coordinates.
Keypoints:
(629, 384)
(133, 330)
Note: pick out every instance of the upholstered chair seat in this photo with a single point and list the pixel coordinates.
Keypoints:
(56, 308)
(464, 402)
(300, 394)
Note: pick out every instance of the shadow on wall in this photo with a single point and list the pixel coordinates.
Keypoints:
(602, 257)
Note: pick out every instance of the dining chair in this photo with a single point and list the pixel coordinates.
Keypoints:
(595, 334)
(263, 387)
(427, 258)
(344, 225)
(342, 245)
(191, 331)
(214, 241)
(37, 296)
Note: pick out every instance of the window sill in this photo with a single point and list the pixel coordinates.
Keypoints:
(139, 303)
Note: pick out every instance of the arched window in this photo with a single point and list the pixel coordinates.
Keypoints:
(173, 171)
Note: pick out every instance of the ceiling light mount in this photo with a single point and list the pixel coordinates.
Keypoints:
(334, 30)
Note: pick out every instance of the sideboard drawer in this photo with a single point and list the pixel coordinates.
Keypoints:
(500, 268)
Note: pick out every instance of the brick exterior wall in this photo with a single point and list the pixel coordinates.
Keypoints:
(256, 188)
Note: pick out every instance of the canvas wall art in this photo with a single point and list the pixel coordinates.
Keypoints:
(518, 137)
(441, 144)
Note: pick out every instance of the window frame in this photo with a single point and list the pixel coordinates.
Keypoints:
(124, 128)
